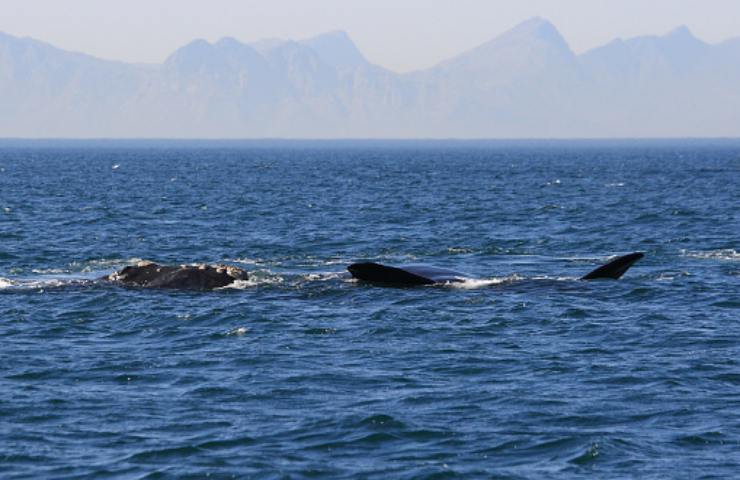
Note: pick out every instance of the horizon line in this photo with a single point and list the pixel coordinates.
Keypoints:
(360, 139)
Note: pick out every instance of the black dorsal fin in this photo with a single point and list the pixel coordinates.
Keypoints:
(615, 268)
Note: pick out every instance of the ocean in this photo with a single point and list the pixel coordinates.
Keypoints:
(300, 371)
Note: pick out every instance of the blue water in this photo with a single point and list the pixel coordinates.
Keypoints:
(302, 372)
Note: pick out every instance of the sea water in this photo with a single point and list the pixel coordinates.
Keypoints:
(300, 371)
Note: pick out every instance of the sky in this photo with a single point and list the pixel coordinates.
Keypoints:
(402, 35)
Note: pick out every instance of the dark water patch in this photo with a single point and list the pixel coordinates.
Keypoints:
(381, 422)
(321, 331)
(227, 444)
(732, 304)
(703, 440)
(163, 455)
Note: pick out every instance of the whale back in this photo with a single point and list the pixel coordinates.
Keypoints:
(427, 275)
(436, 274)
(404, 275)
(187, 277)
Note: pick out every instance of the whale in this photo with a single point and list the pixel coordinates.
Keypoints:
(410, 275)
(200, 277)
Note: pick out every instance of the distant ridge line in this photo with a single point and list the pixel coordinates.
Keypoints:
(525, 83)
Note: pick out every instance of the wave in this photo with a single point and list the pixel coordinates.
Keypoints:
(245, 261)
(104, 263)
(726, 254)
(474, 283)
(43, 283)
(287, 261)
(237, 332)
(88, 266)
(669, 276)
(256, 278)
(324, 276)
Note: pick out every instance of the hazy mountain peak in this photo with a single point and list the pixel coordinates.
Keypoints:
(682, 36)
(197, 55)
(533, 45)
(203, 58)
(228, 42)
(198, 45)
(535, 26)
(238, 54)
(678, 43)
(535, 29)
(682, 31)
(198, 48)
(336, 49)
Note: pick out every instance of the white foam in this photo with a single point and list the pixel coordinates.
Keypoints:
(42, 283)
(590, 259)
(89, 266)
(324, 276)
(245, 261)
(473, 283)
(104, 263)
(238, 332)
(52, 283)
(559, 278)
(321, 262)
(336, 261)
(258, 278)
(727, 254)
(49, 271)
(459, 250)
(668, 276)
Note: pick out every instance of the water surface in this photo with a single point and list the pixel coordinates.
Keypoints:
(302, 372)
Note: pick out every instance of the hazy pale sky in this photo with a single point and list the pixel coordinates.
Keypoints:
(402, 35)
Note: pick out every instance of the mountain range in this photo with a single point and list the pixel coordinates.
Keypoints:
(526, 82)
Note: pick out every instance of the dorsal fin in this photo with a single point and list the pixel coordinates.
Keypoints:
(615, 268)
